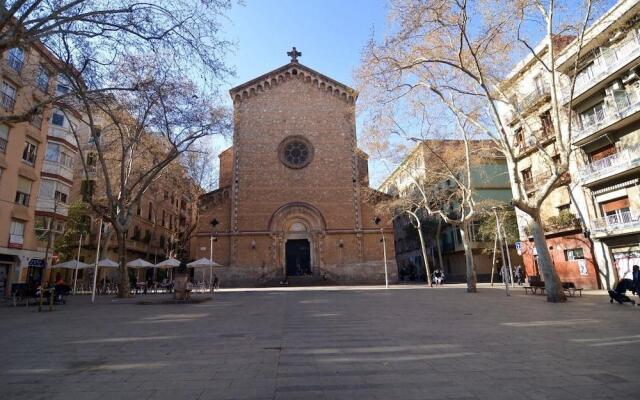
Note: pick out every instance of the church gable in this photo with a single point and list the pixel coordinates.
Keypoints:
(293, 70)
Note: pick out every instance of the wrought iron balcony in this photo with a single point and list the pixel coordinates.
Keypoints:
(608, 62)
(607, 116)
(614, 164)
(533, 98)
(616, 222)
(532, 183)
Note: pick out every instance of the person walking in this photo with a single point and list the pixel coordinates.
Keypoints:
(504, 273)
(519, 275)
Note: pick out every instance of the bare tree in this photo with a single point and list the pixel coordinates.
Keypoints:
(137, 137)
(126, 76)
(456, 54)
(84, 39)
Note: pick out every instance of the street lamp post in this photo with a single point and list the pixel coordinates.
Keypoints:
(377, 221)
(95, 270)
(503, 269)
(211, 240)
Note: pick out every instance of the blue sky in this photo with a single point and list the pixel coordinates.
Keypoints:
(330, 34)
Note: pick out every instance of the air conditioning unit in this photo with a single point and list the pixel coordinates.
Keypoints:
(630, 77)
(617, 85)
(616, 35)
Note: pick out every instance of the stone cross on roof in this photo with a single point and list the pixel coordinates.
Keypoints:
(294, 54)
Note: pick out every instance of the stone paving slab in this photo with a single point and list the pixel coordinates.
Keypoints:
(324, 343)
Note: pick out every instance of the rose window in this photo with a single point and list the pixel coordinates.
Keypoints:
(296, 152)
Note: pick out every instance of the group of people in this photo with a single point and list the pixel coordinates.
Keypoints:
(518, 274)
(438, 277)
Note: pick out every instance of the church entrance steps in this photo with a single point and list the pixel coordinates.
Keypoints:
(307, 280)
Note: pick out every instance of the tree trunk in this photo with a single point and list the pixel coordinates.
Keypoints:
(438, 244)
(125, 290)
(552, 284)
(472, 279)
(424, 255)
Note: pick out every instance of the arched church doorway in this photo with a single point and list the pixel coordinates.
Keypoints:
(297, 230)
(298, 257)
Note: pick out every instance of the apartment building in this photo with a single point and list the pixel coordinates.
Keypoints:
(533, 139)
(606, 136)
(56, 177)
(159, 226)
(443, 241)
(27, 77)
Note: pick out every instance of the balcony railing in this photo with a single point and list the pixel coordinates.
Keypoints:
(614, 222)
(608, 62)
(532, 98)
(608, 115)
(16, 241)
(531, 183)
(3, 145)
(7, 102)
(618, 162)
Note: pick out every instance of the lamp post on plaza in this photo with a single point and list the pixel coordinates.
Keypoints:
(212, 239)
(377, 221)
(505, 278)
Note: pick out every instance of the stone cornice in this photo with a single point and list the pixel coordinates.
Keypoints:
(289, 71)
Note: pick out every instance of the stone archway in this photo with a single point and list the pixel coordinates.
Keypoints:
(297, 230)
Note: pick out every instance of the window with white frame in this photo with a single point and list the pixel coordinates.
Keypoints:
(24, 191)
(16, 233)
(30, 152)
(50, 190)
(574, 254)
(593, 115)
(59, 154)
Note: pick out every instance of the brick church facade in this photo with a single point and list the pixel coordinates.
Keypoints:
(294, 196)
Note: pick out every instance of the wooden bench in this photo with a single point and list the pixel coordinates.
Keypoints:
(535, 285)
(571, 289)
(533, 289)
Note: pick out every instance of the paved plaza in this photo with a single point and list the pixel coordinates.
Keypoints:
(404, 343)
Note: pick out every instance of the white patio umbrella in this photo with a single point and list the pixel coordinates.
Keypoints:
(205, 262)
(139, 263)
(168, 263)
(71, 264)
(107, 263)
(74, 265)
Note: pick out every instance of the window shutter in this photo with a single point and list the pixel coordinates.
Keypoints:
(24, 185)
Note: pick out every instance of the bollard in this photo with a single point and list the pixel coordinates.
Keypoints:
(52, 294)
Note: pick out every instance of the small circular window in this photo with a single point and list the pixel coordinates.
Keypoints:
(295, 152)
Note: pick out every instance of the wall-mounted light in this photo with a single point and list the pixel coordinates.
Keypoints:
(340, 243)
(253, 245)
